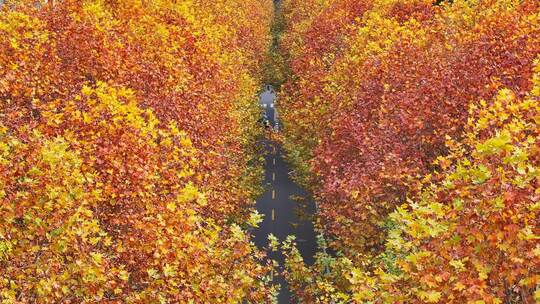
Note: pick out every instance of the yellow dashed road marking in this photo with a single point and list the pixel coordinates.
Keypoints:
(274, 176)
(273, 194)
(273, 215)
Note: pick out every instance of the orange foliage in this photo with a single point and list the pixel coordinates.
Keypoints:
(125, 150)
(376, 89)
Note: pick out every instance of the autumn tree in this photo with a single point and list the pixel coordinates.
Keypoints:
(370, 105)
(127, 131)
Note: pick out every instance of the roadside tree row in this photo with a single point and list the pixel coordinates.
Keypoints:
(415, 125)
(127, 158)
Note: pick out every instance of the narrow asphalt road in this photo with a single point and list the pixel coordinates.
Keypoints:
(283, 213)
